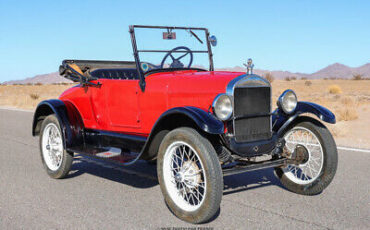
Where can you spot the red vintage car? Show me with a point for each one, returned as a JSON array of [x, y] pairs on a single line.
[[198, 124]]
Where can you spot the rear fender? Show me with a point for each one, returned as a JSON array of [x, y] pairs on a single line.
[[69, 119], [282, 121]]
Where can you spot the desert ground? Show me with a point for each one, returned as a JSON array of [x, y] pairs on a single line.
[[348, 99]]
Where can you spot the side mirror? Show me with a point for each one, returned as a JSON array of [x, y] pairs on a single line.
[[213, 40]]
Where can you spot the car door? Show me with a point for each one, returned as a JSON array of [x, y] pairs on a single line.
[[116, 105], [122, 104]]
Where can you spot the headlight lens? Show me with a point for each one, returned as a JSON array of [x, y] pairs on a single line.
[[288, 101], [222, 107]]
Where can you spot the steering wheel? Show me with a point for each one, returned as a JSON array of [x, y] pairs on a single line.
[[176, 63]]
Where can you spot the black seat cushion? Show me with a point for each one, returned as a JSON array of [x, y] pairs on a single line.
[[125, 74]]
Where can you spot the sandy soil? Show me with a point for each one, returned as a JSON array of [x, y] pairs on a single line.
[[351, 103]]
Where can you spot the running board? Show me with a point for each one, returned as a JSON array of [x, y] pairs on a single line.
[[112, 154], [253, 166]]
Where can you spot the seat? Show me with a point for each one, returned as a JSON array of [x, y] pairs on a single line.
[[117, 74]]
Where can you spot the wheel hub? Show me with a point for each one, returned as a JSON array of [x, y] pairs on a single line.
[[190, 174], [301, 154], [179, 177]]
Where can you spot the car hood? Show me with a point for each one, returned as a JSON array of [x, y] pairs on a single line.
[[193, 81], [191, 88]]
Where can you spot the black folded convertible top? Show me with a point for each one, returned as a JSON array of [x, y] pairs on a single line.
[[87, 66]]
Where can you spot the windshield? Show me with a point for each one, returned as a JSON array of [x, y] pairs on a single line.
[[171, 48]]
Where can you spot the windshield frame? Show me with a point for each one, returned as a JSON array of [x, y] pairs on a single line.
[[136, 51]]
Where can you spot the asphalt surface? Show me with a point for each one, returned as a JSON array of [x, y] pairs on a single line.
[[102, 196]]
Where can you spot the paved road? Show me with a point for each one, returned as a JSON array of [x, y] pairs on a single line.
[[100, 196]]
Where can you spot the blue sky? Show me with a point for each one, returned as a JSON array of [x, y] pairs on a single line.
[[299, 36]]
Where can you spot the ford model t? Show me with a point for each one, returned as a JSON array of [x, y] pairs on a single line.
[[199, 125]]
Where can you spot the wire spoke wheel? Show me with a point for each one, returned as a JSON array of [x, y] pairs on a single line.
[[190, 175], [184, 176], [52, 147], [310, 170]]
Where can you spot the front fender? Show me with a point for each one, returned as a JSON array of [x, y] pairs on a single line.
[[204, 120], [281, 121], [68, 116], [175, 118]]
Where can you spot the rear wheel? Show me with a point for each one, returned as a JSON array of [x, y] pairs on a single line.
[[190, 175], [56, 160], [319, 161]]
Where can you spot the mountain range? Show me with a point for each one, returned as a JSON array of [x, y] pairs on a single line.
[[335, 70]]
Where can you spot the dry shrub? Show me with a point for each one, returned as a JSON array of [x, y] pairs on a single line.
[[287, 79], [269, 77], [38, 83], [347, 113], [335, 89], [34, 96], [293, 78], [357, 77], [307, 83]]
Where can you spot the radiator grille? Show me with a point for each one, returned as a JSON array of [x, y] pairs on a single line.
[[252, 118]]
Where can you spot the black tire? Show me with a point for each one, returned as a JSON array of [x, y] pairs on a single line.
[[67, 157], [330, 162], [212, 169]]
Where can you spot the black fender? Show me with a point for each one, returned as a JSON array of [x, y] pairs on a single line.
[[204, 120], [68, 116], [179, 117], [281, 121]]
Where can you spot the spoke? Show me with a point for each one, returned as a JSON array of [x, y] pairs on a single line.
[[185, 194], [182, 56], [309, 167], [201, 184], [185, 152], [306, 138], [315, 170], [188, 182], [197, 196], [177, 169], [192, 197], [173, 181], [172, 57], [175, 161], [201, 196], [195, 173], [182, 158], [295, 171], [305, 176], [300, 176], [193, 155]]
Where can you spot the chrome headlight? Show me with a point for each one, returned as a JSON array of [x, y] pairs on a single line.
[[288, 101], [222, 107]]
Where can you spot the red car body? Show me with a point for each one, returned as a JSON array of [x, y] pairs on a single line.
[[101, 107]]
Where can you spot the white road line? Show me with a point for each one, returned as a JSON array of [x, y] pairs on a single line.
[[338, 147], [16, 109], [354, 149]]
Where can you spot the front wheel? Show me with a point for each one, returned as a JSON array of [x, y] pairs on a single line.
[[190, 175], [318, 167]]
